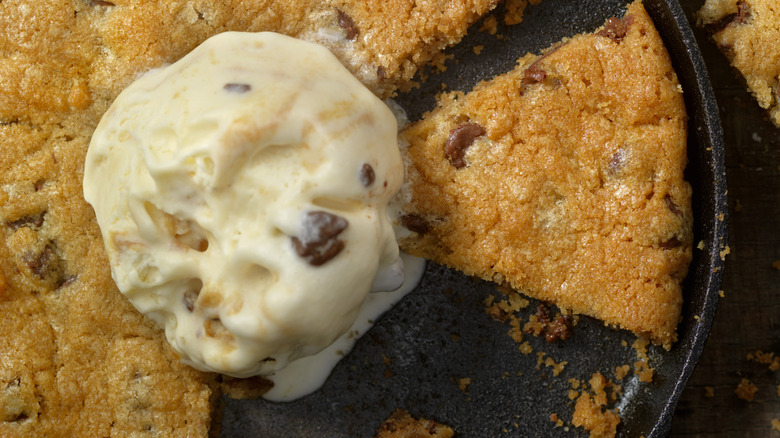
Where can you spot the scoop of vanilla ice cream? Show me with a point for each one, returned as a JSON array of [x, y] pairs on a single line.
[[241, 195]]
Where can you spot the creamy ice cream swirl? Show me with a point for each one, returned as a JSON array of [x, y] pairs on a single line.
[[241, 194]]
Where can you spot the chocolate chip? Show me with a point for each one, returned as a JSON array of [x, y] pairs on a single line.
[[43, 264], [459, 140], [32, 221], [560, 329], [672, 243], [189, 298], [534, 74], [67, 280], [431, 427], [381, 73], [237, 88], [318, 242], [616, 28], [349, 26], [542, 314], [102, 3], [415, 223], [21, 417], [367, 175], [672, 206], [741, 17], [743, 13]]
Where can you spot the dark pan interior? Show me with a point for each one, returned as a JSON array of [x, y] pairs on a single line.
[[415, 355]]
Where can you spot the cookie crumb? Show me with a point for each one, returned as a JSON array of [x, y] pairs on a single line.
[[776, 424], [642, 367], [555, 419], [622, 371], [477, 49], [402, 424], [746, 390], [490, 25], [768, 358], [550, 362], [464, 383], [709, 391], [590, 410], [514, 11], [776, 264]]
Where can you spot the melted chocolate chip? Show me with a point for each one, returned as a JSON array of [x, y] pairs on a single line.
[[672, 243], [672, 206], [534, 74], [459, 140], [743, 13], [237, 88], [319, 242], [381, 73], [45, 263], [415, 223], [32, 221], [560, 329], [349, 26], [616, 28], [366, 175], [20, 417], [741, 17], [542, 314]]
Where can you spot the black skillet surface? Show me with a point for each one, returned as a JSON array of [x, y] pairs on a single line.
[[415, 355]]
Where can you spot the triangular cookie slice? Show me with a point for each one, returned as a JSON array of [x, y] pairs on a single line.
[[564, 179]]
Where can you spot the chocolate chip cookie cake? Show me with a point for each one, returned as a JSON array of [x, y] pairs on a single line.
[[564, 179], [748, 33], [77, 358]]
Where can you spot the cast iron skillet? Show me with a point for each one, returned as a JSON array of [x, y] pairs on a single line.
[[417, 353]]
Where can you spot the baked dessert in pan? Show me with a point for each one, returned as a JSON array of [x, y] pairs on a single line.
[[78, 359], [81, 340]]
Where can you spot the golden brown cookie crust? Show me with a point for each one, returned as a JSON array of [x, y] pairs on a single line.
[[748, 32], [78, 360], [402, 425], [574, 193]]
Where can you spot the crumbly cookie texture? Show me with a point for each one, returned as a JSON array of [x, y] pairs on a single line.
[[747, 32], [564, 178], [68, 55], [78, 359], [402, 425]]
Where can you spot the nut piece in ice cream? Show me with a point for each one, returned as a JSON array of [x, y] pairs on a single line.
[[241, 193]]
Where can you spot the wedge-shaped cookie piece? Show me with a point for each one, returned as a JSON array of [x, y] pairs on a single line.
[[564, 179], [748, 33]]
